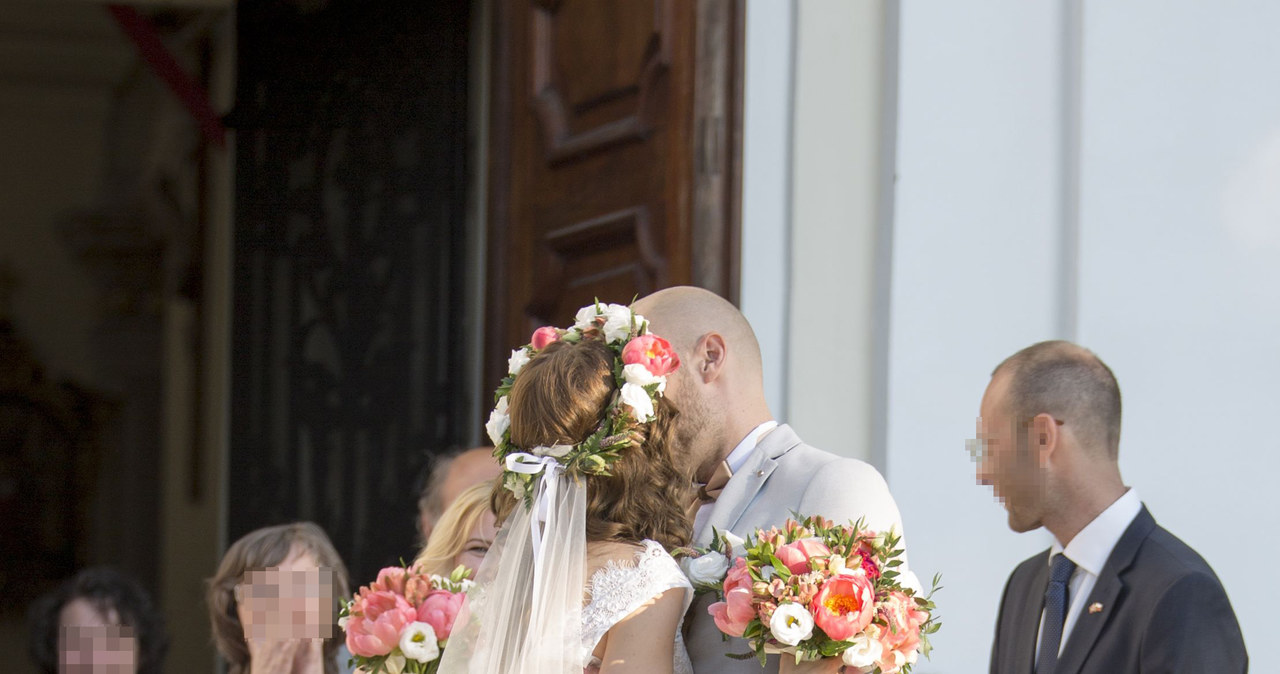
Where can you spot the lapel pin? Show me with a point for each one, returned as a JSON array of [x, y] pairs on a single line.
[[1095, 607], [759, 473]]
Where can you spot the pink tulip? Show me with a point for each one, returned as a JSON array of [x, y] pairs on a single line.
[[376, 622], [439, 610], [796, 555], [544, 336], [844, 605], [653, 352]]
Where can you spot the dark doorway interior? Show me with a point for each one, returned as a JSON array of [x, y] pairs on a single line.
[[348, 361]]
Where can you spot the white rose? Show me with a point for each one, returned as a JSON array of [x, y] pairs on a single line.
[[519, 358], [640, 375], [791, 624], [864, 653], [557, 451], [498, 421], [617, 324], [639, 400], [709, 569], [418, 642], [737, 546], [585, 317]]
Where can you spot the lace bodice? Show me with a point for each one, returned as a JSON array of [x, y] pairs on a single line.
[[617, 590]]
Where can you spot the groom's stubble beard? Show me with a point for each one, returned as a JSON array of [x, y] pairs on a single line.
[[698, 430]]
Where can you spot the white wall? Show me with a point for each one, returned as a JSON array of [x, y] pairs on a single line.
[[1180, 271], [975, 277]]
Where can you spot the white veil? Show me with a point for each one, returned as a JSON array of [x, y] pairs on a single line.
[[524, 615]]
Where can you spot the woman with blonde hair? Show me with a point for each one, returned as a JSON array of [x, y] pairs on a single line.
[[269, 582], [463, 533], [579, 578]]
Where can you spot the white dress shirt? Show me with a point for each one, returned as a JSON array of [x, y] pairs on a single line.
[[1090, 550], [735, 460]]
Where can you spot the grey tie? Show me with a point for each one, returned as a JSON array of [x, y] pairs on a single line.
[[1055, 613]]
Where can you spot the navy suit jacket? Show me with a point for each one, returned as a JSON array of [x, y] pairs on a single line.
[[1162, 610]]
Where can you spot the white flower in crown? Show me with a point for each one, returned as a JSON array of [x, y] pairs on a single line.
[[638, 399], [418, 642], [791, 624], [617, 320], [498, 422], [640, 375], [519, 358]]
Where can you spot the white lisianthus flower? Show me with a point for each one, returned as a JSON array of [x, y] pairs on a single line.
[[519, 358], [737, 546], [418, 642], [557, 451], [864, 653], [466, 584], [586, 316], [709, 569], [791, 624], [498, 421], [640, 375], [639, 400]]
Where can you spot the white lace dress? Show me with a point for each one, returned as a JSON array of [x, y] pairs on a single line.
[[617, 590]]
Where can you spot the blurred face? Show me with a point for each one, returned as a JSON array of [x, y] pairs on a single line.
[[92, 643], [697, 431], [477, 544], [291, 601], [1006, 461]]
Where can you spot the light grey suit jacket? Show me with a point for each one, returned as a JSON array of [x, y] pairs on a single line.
[[783, 475]]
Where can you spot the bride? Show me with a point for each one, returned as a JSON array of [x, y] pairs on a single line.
[[578, 578]]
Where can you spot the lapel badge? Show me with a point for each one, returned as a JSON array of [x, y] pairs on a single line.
[[1095, 607]]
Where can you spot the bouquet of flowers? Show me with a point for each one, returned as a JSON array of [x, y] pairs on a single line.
[[815, 589], [401, 622]]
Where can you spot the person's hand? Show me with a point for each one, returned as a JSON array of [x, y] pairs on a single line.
[[824, 666]]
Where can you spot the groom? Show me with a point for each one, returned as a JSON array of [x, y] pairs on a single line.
[[755, 473], [1115, 592]]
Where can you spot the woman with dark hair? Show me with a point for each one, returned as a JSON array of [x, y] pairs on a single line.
[[579, 577], [273, 602], [98, 620]]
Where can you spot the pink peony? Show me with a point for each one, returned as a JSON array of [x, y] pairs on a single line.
[[376, 621], [439, 610], [904, 617], [734, 613], [390, 579], [796, 555], [544, 336], [653, 352], [844, 605]]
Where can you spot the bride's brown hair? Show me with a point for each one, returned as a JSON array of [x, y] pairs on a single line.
[[560, 398]]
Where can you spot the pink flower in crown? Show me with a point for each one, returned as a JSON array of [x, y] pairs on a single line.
[[544, 336], [390, 579], [653, 352], [376, 621], [439, 610], [844, 606], [734, 613], [796, 555]]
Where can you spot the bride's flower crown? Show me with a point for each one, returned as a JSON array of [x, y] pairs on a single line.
[[642, 361]]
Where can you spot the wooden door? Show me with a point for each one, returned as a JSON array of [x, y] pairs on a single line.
[[614, 161]]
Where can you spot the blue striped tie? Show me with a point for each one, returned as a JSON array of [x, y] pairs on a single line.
[[1055, 613]]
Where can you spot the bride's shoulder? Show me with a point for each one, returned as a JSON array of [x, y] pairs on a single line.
[[616, 563]]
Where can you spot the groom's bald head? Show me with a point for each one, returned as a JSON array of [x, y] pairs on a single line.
[[719, 388]]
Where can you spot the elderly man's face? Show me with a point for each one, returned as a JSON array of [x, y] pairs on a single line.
[[92, 643]]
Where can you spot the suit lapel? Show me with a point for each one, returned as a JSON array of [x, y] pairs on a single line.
[[1026, 623], [746, 482], [1105, 592]]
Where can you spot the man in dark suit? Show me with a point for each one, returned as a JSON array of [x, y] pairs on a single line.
[[1115, 592]]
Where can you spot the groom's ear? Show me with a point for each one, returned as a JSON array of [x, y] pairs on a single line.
[[711, 357]]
